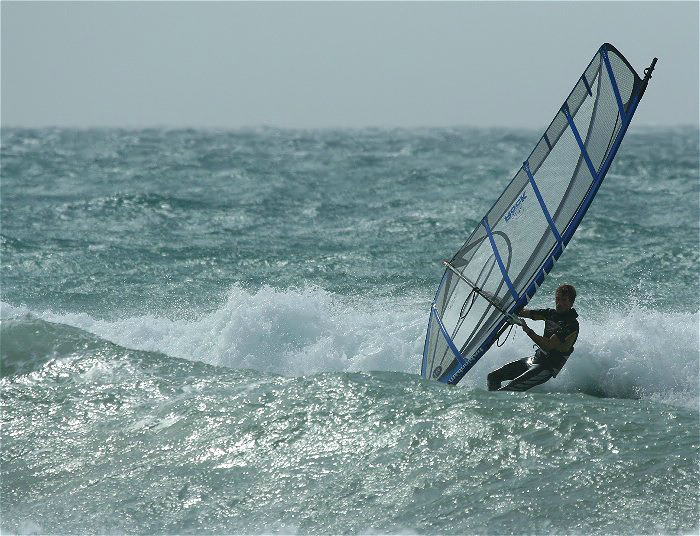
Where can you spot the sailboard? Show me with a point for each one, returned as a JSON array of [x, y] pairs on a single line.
[[506, 258]]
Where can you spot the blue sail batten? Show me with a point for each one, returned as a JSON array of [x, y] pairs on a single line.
[[546, 140], [502, 266], [547, 215], [581, 145], [585, 83], [448, 339], [613, 82]]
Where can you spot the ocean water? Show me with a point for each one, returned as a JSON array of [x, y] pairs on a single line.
[[220, 332]]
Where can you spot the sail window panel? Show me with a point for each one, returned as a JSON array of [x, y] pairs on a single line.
[[454, 310], [469, 318], [461, 314], [464, 312], [463, 318], [489, 271]]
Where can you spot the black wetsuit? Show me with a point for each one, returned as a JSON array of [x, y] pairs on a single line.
[[531, 371]]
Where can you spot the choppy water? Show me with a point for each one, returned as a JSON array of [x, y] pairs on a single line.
[[220, 332]]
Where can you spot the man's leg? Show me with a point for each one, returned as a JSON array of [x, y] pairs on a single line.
[[534, 375], [506, 372]]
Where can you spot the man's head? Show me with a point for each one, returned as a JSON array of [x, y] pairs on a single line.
[[564, 298]]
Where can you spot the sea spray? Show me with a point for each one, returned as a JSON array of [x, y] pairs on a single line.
[[629, 353]]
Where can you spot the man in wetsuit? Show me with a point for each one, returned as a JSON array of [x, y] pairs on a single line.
[[556, 345]]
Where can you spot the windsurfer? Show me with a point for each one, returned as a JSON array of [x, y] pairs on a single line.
[[555, 346]]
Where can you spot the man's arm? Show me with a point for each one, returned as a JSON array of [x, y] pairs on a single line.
[[532, 315], [553, 342]]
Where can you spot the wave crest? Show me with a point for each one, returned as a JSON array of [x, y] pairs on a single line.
[[631, 353]]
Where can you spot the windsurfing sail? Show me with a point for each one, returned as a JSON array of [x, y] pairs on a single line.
[[506, 258]]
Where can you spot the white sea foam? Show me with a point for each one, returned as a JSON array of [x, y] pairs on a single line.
[[294, 332], [635, 353]]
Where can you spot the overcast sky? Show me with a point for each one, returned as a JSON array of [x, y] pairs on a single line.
[[235, 64]]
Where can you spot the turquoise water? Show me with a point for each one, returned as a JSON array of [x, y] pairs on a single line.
[[220, 332]]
